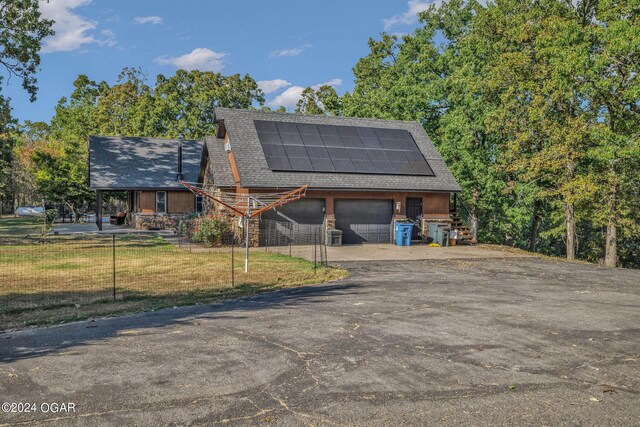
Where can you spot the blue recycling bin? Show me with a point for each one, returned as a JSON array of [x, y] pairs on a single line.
[[403, 233]]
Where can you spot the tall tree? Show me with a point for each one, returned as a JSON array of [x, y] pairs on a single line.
[[125, 108], [60, 165], [7, 141], [22, 29], [614, 97], [323, 100], [543, 52], [437, 76], [184, 103]]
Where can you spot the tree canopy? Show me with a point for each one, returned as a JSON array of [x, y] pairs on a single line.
[[22, 29], [178, 106], [534, 105]]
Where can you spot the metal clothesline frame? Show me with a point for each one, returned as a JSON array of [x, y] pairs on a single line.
[[237, 204]]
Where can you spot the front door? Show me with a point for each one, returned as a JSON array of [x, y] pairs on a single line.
[[414, 213]]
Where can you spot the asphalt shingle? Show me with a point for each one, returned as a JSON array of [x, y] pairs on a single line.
[[120, 163], [255, 173]]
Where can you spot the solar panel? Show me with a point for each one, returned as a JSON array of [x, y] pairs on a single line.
[[305, 147]]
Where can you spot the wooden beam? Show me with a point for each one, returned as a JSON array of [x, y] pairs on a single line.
[[99, 209]]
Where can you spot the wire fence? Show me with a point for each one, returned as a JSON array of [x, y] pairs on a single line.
[[53, 278]]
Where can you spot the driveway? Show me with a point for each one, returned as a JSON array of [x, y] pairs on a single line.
[[484, 342], [386, 252]]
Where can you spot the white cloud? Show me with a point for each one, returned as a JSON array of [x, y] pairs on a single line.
[[72, 30], [270, 86], [153, 20], [289, 98], [286, 52], [410, 16], [289, 52], [332, 82], [108, 38], [201, 58]]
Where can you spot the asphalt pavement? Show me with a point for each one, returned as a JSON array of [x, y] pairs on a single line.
[[502, 341]]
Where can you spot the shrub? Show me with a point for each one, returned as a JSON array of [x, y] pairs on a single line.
[[209, 229], [185, 228], [50, 216]]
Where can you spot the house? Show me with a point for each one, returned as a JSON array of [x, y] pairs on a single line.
[[148, 170], [362, 174]]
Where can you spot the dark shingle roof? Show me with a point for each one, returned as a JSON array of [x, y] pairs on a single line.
[[255, 173], [120, 163], [220, 166]]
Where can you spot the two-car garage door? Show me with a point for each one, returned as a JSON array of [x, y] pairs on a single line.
[[299, 222], [302, 222], [364, 221]]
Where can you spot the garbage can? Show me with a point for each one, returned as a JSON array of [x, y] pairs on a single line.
[[403, 233], [334, 237], [439, 233], [453, 237], [445, 237]]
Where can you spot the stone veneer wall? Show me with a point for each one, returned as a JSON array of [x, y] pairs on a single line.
[[144, 221]]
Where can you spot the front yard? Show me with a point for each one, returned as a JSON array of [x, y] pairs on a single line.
[[60, 278]]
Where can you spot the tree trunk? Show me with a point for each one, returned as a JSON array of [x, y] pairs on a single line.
[[571, 231], [611, 244], [535, 225], [474, 214], [570, 217], [75, 210]]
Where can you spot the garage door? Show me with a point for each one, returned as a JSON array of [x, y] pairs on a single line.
[[364, 221], [298, 222]]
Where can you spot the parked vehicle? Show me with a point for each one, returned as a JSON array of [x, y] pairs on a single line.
[[30, 211]]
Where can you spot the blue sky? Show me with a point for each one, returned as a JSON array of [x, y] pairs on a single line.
[[284, 44]]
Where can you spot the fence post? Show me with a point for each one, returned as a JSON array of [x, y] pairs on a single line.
[[326, 259], [233, 264], [315, 241], [114, 264], [290, 241]]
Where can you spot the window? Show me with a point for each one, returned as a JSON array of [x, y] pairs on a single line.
[[161, 202], [198, 203]]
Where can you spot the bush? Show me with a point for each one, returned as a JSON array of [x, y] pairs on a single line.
[[50, 216], [209, 229]]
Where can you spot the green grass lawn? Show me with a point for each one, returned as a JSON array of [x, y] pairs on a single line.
[[16, 228], [63, 278]]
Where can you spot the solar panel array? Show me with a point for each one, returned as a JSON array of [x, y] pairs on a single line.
[[304, 147]]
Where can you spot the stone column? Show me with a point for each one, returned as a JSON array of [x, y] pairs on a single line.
[[254, 232]]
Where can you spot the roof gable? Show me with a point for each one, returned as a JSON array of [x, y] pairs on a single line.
[[120, 163]]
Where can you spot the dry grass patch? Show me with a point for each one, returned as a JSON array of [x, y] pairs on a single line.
[[58, 279]]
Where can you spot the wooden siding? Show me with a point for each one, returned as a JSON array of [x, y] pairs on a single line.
[[180, 201], [435, 205], [146, 201], [177, 202]]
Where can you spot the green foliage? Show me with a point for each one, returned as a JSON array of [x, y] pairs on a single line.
[[209, 229], [180, 106], [50, 215], [534, 106], [21, 32], [324, 100]]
